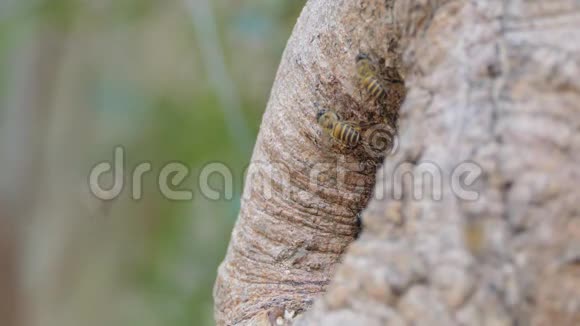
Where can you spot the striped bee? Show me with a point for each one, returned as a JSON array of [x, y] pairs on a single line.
[[344, 133], [372, 80], [367, 73]]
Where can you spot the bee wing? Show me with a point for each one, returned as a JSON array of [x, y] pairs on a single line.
[[360, 125], [391, 75], [353, 124]]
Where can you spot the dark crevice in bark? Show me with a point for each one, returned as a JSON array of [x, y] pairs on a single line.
[[481, 92], [295, 235]]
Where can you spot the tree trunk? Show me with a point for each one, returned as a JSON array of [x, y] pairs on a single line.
[[487, 132]]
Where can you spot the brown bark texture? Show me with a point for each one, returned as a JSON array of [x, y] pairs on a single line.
[[474, 218]]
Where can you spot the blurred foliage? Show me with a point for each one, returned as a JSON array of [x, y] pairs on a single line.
[[132, 73]]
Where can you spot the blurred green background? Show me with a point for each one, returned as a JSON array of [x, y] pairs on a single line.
[[177, 80]]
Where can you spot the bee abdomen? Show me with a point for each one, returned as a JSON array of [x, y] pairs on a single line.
[[374, 87], [346, 134], [354, 137]]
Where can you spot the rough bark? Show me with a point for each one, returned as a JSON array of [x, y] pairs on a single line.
[[287, 242], [492, 84]]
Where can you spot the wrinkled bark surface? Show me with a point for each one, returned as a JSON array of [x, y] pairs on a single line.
[[493, 89], [287, 241]]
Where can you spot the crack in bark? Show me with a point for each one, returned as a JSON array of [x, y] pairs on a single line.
[[424, 270]]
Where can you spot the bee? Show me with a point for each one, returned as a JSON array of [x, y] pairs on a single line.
[[367, 73], [372, 80], [345, 133]]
